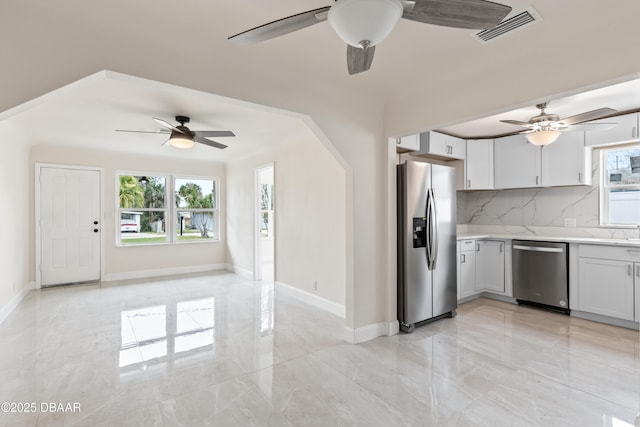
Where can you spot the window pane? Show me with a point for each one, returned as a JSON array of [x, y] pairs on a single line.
[[196, 225], [624, 206], [142, 191], [623, 167], [142, 227], [195, 193]]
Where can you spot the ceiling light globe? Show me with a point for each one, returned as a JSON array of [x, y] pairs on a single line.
[[356, 21], [543, 137], [180, 140]]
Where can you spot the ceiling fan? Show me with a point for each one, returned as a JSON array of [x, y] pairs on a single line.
[[362, 24], [181, 136], [545, 128]]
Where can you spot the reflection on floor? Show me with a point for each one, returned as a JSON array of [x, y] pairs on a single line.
[[220, 350]]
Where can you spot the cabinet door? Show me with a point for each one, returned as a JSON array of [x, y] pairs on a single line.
[[479, 165], [490, 265], [410, 143], [442, 145], [517, 162], [625, 129], [467, 274], [606, 287], [566, 161]]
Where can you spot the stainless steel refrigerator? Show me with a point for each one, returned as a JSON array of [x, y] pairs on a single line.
[[427, 274]]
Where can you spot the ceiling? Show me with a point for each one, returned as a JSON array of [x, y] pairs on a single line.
[[53, 43], [623, 96], [87, 113]]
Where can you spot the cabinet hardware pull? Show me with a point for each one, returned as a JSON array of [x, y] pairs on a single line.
[[477, 247], [468, 183], [398, 140], [501, 247], [579, 176], [634, 132], [463, 259], [537, 179], [629, 270]]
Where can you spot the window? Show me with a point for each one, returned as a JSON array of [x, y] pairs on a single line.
[[196, 209], [620, 186], [166, 209]]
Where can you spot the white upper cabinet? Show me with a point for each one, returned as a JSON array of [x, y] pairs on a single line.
[[566, 161], [441, 145], [479, 165], [517, 163], [408, 143], [626, 129]]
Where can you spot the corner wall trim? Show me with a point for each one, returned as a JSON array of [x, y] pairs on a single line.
[[369, 332], [141, 274], [311, 299], [247, 274], [13, 302]]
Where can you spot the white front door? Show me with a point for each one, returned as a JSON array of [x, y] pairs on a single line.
[[69, 225]]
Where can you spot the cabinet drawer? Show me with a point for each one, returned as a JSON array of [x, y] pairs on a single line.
[[620, 253], [467, 245]]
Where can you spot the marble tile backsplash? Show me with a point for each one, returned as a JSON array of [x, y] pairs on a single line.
[[538, 211]]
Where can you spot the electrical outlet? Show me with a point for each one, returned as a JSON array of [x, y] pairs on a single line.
[[570, 222]]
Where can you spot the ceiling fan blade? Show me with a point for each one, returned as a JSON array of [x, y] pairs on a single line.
[[589, 115], [214, 133], [472, 14], [517, 123], [358, 59], [161, 131], [208, 142], [166, 124], [281, 26]]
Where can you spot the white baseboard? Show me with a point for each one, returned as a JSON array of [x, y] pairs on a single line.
[[247, 274], [311, 299], [141, 274], [369, 332], [13, 302]]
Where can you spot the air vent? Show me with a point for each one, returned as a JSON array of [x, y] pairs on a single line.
[[527, 17]]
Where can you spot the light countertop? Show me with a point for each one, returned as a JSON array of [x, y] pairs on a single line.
[[573, 239]]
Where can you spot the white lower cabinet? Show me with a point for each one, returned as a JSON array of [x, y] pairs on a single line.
[[481, 267], [467, 273], [490, 265], [609, 281], [607, 287]]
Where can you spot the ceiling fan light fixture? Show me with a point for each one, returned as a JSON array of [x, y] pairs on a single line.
[[180, 140], [543, 137], [358, 21]]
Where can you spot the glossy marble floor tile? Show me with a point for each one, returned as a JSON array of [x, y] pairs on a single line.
[[216, 349]]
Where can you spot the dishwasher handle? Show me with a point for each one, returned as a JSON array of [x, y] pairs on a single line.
[[538, 249]]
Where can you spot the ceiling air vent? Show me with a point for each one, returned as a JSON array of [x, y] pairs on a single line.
[[517, 21]]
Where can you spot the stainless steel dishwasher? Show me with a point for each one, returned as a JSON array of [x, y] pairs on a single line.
[[540, 274]]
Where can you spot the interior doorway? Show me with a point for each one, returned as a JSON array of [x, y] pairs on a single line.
[[264, 236], [68, 225]]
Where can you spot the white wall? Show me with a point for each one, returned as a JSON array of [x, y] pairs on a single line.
[[15, 183], [123, 262], [310, 220]]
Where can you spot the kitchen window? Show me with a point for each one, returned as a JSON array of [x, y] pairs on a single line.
[[166, 209], [620, 186]]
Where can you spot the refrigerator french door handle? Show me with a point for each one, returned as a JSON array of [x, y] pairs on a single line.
[[434, 233], [428, 230]]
